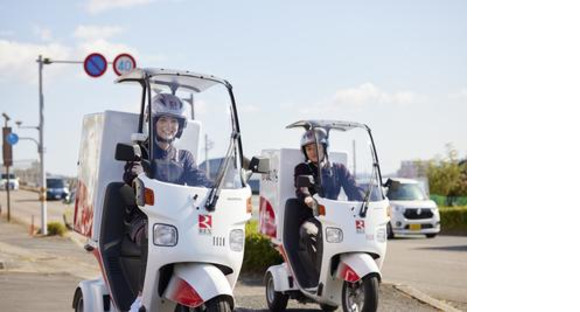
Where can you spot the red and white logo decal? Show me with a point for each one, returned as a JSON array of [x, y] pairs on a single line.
[[360, 226], [204, 222]]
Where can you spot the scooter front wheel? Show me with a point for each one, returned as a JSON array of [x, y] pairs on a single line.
[[276, 300], [218, 304], [361, 296]]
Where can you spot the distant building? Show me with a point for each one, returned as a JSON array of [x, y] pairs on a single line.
[[412, 169]]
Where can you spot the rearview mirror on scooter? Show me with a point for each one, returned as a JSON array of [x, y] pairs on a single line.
[[259, 164], [392, 184], [127, 152], [305, 181]]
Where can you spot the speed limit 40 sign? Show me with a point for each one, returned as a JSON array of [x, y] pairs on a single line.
[[123, 64]]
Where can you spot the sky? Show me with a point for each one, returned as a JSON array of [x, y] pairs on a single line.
[[398, 66]]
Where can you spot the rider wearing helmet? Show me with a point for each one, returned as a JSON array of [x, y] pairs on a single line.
[[169, 164], [334, 177]]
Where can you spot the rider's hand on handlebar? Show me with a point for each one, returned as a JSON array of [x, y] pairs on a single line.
[[132, 170], [309, 201]]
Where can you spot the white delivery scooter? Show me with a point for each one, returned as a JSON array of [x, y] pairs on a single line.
[[352, 234], [195, 233]]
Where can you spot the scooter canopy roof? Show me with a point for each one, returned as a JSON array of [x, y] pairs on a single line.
[[174, 79], [327, 124]]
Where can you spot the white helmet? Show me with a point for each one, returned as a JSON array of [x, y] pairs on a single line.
[[308, 137], [165, 104]]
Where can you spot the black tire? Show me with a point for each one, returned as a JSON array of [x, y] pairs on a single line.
[[219, 304], [276, 300], [390, 233], [327, 308], [78, 302], [364, 294], [430, 235]]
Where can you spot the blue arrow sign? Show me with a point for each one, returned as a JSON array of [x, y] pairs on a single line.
[[12, 138]]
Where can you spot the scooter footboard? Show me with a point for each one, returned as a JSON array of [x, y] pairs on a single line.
[[354, 266], [193, 284]]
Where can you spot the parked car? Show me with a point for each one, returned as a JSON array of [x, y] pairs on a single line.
[[56, 188], [411, 211], [13, 182]]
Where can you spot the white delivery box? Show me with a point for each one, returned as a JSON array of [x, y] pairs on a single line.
[[277, 187], [97, 167]]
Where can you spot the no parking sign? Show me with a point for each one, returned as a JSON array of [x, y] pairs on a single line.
[[124, 63], [95, 65]]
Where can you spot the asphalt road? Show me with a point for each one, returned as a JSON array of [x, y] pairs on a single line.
[[437, 267]]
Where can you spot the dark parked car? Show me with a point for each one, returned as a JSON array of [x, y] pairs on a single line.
[[56, 188]]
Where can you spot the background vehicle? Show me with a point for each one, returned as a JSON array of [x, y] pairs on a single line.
[[56, 188], [13, 182], [411, 211]]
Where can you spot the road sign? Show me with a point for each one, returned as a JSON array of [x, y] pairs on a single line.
[[95, 65], [12, 138], [123, 64]]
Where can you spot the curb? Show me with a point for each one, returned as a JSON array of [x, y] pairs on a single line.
[[423, 297]]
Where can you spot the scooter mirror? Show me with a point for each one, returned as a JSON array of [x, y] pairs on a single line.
[[305, 181], [259, 164], [127, 152], [392, 184]]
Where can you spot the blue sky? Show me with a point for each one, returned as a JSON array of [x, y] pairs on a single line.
[[400, 67]]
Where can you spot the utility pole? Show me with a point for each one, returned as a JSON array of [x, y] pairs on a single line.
[[7, 159], [354, 158], [43, 227], [207, 147]]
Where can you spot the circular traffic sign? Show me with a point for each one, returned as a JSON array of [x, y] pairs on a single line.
[[12, 138], [123, 64], [95, 65]]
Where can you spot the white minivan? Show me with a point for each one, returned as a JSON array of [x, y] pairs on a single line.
[[411, 211]]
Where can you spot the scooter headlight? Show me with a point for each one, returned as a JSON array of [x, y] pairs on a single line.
[[381, 235], [164, 235], [237, 240], [333, 235]]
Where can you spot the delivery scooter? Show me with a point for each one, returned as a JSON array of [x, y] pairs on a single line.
[[195, 232], [352, 239]]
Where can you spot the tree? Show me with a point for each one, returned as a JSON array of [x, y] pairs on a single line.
[[447, 176]]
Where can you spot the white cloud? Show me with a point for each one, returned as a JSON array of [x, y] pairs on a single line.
[[45, 34], [98, 6], [359, 98], [88, 33], [17, 59]]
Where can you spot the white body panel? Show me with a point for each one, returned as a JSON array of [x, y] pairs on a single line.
[[174, 205], [93, 292]]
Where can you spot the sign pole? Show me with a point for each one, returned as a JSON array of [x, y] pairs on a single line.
[[7, 159]]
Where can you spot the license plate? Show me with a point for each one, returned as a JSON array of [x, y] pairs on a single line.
[[57, 196], [415, 227]]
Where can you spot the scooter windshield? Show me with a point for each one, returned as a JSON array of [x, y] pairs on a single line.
[[193, 137], [348, 170]]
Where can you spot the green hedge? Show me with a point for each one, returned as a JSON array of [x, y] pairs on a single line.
[[449, 200], [259, 253], [453, 220]]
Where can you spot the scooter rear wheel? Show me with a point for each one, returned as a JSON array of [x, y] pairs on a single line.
[[361, 296], [218, 304], [276, 300]]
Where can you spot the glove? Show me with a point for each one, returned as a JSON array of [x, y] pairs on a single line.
[[132, 170]]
